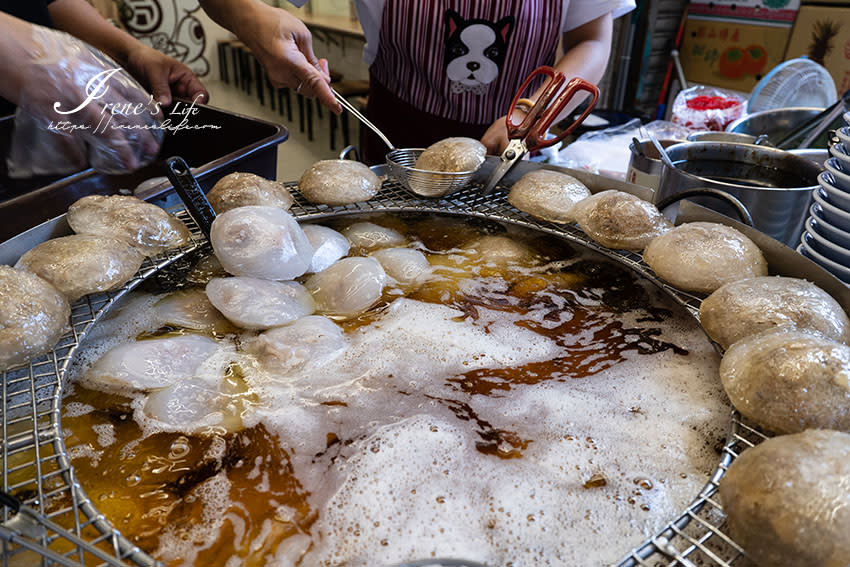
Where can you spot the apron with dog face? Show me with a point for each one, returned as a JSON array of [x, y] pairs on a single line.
[[451, 67]]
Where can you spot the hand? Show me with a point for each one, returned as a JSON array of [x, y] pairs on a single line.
[[114, 116], [495, 139], [165, 76], [284, 47]]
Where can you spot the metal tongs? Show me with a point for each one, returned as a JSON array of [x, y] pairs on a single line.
[[811, 129], [359, 115], [530, 133]]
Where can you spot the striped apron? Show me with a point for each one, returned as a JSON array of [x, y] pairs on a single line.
[[451, 67]]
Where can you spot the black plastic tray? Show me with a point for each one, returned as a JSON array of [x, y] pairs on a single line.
[[241, 143]]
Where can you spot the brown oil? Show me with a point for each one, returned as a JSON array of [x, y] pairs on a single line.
[[145, 484]]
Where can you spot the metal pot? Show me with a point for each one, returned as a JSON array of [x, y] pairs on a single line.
[[775, 186], [817, 155]]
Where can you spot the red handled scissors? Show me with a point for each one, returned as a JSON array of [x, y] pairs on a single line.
[[530, 133]]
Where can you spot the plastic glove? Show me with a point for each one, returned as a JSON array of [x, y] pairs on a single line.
[[38, 151], [72, 89]]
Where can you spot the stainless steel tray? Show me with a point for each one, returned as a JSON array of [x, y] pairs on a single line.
[[32, 446]]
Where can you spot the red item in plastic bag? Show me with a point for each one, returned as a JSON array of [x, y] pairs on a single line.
[[707, 108], [704, 102]]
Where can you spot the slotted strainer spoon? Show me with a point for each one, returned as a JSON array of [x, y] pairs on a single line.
[[401, 164]]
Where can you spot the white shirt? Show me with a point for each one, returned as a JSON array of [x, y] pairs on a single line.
[[574, 14]]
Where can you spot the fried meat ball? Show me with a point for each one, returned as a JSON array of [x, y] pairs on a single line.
[[81, 264], [702, 256], [240, 189], [338, 182], [548, 195], [787, 380], [619, 220], [33, 316], [452, 155], [746, 307], [144, 225], [787, 501]]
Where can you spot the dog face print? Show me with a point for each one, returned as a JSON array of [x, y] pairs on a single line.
[[475, 51]]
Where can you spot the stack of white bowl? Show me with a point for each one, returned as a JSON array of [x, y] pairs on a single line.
[[826, 239]]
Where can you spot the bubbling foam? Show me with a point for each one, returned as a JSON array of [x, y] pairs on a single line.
[[413, 344], [610, 458]]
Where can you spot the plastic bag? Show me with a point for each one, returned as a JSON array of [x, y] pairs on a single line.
[[606, 152], [37, 151], [707, 108], [75, 100]]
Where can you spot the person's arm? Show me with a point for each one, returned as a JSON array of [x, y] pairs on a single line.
[[155, 70], [587, 49], [16, 44], [280, 41], [53, 77]]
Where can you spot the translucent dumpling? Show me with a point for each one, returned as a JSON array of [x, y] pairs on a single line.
[[261, 242], [312, 339], [786, 500], [501, 250], [746, 307], [328, 246], [190, 309], [366, 236], [215, 397], [405, 265], [787, 380], [253, 303], [349, 287], [149, 364], [453, 155], [194, 405]]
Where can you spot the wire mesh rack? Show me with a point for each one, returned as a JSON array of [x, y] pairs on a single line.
[[36, 468]]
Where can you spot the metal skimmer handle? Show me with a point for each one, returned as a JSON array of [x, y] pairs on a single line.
[[350, 108], [190, 192]]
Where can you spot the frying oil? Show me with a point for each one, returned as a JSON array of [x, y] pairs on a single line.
[[526, 404]]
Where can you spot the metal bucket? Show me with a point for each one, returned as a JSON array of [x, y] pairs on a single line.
[[645, 162], [775, 186], [732, 137]]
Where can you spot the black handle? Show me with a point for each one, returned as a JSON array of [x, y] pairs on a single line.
[[190, 192], [739, 207], [9, 501]]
